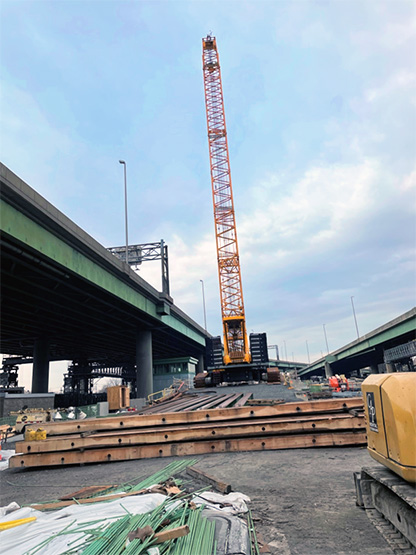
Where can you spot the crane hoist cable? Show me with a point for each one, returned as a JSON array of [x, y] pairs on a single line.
[[236, 348]]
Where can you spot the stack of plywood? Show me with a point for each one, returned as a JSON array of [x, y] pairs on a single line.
[[333, 422]]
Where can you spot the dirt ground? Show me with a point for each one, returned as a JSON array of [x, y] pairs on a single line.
[[304, 499]]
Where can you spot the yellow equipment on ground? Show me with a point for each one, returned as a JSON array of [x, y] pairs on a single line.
[[388, 492], [390, 408], [30, 417]]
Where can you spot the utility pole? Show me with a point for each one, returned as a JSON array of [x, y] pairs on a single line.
[[307, 350], [203, 302], [355, 317], [125, 209], [326, 339]]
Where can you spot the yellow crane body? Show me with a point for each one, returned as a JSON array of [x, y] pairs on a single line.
[[236, 347], [390, 409]]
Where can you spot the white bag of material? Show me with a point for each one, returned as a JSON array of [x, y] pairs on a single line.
[[233, 503], [5, 456], [13, 506]]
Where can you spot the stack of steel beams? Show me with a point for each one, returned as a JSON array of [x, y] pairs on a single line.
[[333, 422], [188, 401]]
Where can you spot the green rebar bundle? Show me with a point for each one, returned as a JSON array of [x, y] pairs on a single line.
[[159, 477], [254, 546], [200, 540], [109, 537]]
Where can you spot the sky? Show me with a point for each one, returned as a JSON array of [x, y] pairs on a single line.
[[321, 120]]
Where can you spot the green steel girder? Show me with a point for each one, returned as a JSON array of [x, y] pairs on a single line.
[[370, 342], [30, 233], [396, 330]]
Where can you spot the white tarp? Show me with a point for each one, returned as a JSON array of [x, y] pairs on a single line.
[[19, 540]]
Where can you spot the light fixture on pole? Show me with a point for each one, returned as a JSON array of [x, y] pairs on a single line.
[[355, 317], [203, 302], [125, 209], [326, 339]]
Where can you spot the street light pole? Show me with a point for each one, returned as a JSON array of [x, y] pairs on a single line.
[[307, 350], [125, 209], [326, 339], [355, 317], [203, 302]]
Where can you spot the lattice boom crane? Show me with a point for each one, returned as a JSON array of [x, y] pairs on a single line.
[[236, 348]]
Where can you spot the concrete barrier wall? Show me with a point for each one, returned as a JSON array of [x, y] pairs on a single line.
[[14, 402]]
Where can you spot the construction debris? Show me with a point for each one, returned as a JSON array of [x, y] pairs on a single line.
[[216, 484], [218, 430], [187, 523]]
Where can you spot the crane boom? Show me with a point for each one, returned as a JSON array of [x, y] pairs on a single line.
[[236, 348]]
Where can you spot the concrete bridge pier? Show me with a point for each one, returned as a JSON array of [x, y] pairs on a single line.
[[144, 363], [200, 365], [374, 369], [328, 370], [40, 372]]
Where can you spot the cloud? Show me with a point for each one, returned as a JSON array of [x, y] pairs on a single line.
[[402, 81], [312, 212], [393, 36], [190, 260], [409, 182]]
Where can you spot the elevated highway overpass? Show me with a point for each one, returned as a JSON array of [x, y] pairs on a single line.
[[368, 351], [65, 297]]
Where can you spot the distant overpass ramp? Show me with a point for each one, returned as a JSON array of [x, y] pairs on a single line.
[[368, 350]]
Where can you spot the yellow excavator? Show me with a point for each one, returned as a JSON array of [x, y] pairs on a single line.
[[389, 494]]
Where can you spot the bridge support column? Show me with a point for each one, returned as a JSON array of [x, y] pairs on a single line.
[[390, 368], [40, 372], [200, 365], [328, 370], [144, 363], [374, 369]]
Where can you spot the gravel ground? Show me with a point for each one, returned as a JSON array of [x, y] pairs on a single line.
[[304, 498]]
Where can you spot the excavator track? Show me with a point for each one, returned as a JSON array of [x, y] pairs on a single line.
[[390, 504]]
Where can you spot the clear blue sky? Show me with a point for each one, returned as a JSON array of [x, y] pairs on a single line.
[[320, 109]]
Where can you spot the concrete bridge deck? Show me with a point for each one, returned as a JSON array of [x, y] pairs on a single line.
[[65, 297]]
